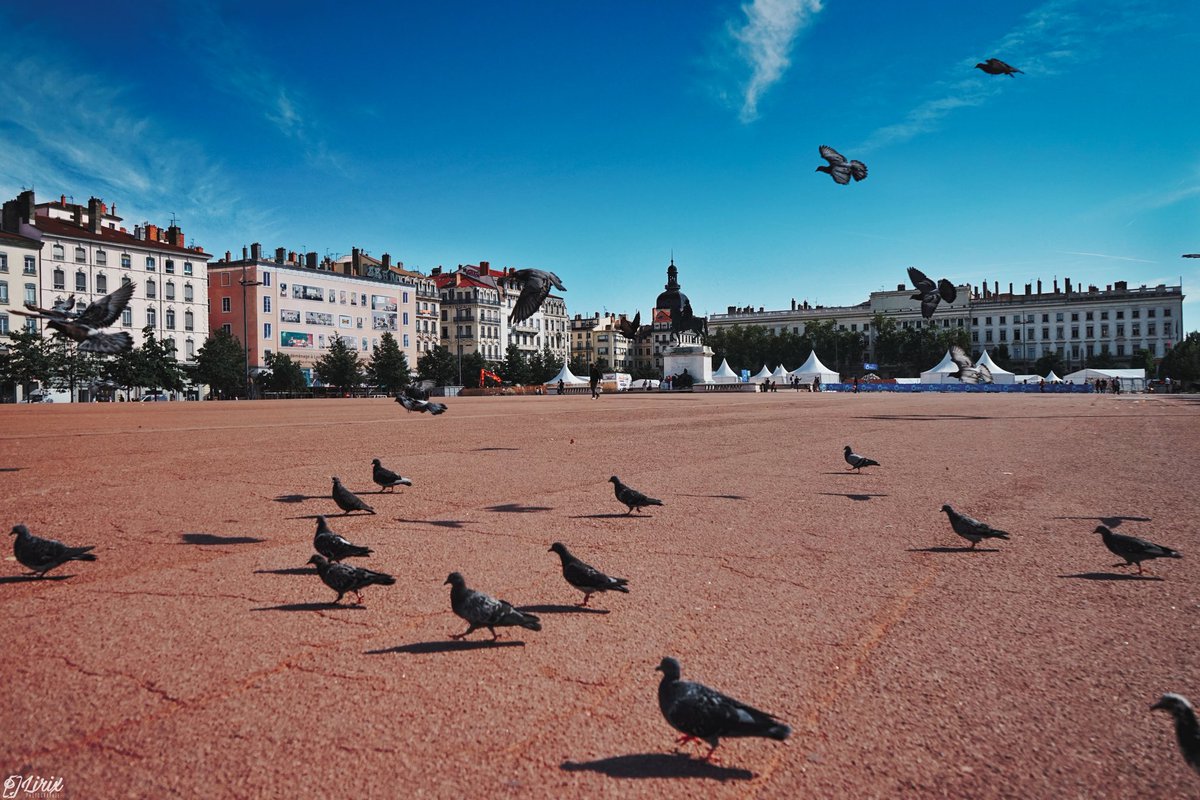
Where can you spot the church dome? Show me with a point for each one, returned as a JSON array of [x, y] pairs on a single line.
[[672, 299]]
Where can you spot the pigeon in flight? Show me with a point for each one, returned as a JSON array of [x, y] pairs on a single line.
[[347, 500], [483, 611], [629, 328], [839, 168], [968, 371], [856, 461], [85, 327], [1186, 729], [970, 528], [535, 288], [928, 293], [344, 578], [632, 497], [61, 309], [385, 477], [994, 66], [1133, 549], [585, 578], [43, 555], [1191, 255], [701, 713], [334, 547], [412, 404]]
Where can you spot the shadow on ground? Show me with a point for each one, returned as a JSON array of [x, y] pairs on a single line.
[[311, 607], [214, 539], [441, 523], [28, 578], [553, 609], [952, 550], [452, 646], [1110, 522], [657, 765], [287, 571], [715, 496], [1111, 576], [859, 497], [517, 508], [612, 516], [298, 498]]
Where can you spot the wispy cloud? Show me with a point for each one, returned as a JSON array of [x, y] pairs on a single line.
[[1048, 39], [762, 42], [1105, 255]]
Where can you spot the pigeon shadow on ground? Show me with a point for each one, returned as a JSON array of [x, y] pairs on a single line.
[[11, 469], [612, 516], [311, 607], [716, 496], [440, 523], [558, 609], [1111, 576], [214, 539], [1111, 522], [298, 498], [657, 765], [859, 497], [517, 508], [287, 571], [488, 449], [28, 578], [922, 417], [452, 646], [952, 550]]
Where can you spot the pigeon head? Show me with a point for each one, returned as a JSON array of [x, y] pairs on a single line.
[[322, 524], [317, 559], [455, 579], [670, 668], [1176, 704], [554, 279], [980, 66], [614, 479], [19, 530], [375, 462], [335, 479], [560, 548], [1102, 529], [849, 449], [946, 507]]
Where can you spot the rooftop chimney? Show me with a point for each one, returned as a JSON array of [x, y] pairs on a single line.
[[355, 262], [228, 256], [310, 259], [256, 251], [291, 257], [245, 253], [280, 252], [387, 261], [1067, 285], [175, 236], [1039, 285]]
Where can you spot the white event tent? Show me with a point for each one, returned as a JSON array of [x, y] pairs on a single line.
[[813, 368], [1131, 379], [1052, 378], [941, 372], [761, 375], [999, 373], [724, 374], [566, 376], [781, 374]]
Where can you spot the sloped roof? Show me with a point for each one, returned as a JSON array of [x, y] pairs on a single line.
[[762, 373], [946, 365], [813, 366], [724, 371], [986, 360], [566, 376]]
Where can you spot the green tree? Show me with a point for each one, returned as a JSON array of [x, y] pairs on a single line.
[[71, 368], [339, 366], [1003, 358], [1051, 362], [30, 358], [1102, 360], [126, 369], [388, 369], [284, 374], [471, 364], [1182, 362], [515, 367], [1144, 359], [159, 368], [439, 366], [578, 365], [220, 364]]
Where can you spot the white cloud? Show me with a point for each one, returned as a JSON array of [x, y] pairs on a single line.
[[764, 42], [1103, 255]]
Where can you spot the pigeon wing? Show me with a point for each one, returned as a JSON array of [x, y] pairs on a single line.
[[960, 357], [834, 158], [103, 312], [586, 576], [984, 374], [947, 291], [858, 170], [536, 289], [920, 281]]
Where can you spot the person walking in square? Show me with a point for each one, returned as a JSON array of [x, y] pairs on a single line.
[[594, 379]]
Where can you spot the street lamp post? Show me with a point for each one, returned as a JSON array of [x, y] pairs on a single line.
[[245, 330]]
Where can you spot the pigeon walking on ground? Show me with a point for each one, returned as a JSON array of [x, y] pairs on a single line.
[[970, 528], [994, 66], [483, 611], [839, 168], [701, 713], [1133, 549], [1186, 729], [584, 577], [413, 404], [632, 497], [856, 461], [42, 555], [347, 500], [344, 578], [85, 327], [335, 547], [968, 371], [385, 477], [929, 293], [535, 288]]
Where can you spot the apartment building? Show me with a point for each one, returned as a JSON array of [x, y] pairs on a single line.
[[598, 337]]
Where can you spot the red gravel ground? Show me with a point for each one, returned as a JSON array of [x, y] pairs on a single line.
[[197, 658]]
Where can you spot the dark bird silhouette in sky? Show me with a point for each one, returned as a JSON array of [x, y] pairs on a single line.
[[994, 66], [839, 168]]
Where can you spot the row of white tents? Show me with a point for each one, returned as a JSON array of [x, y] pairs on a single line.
[[813, 368]]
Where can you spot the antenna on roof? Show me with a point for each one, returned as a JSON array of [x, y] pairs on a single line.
[[173, 220]]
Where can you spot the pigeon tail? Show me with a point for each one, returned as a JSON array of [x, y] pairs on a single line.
[[107, 343]]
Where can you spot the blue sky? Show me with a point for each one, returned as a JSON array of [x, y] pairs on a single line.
[[598, 139]]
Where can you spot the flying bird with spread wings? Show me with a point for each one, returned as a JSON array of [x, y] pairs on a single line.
[[840, 169], [86, 326], [930, 294], [535, 288], [994, 66]]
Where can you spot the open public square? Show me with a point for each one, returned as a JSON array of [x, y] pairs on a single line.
[[200, 656]]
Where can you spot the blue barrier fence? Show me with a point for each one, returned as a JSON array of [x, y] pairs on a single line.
[[994, 388]]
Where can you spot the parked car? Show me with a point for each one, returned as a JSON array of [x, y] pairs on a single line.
[[154, 398], [38, 397]]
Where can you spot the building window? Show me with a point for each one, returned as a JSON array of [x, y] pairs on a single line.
[[1103, 331], [170, 287], [1152, 329], [187, 293], [60, 279], [1088, 316], [4, 292], [1151, 312], [190, 348], [80, 282], [101, 258], [1103, 315], [187, 268], [169, 266], [80, 255], [57, 253], [150, 263], [1090, 330], [406, 340], [170, 319], [266, 330], [226, 279], [126, 261], [1120, 350], [406, 318], [266, 279], [30, 266], [267, 304], [3, 323], [1045, 333], [1120, 329], [102, 283], [321, 340], [188, 321], [151, 289], [1003, 335], [127, 317], [364, 343], [224, 305], [1074, 331], [1137, 313], [1137, 329], [3, 262], [1166, 312], [151, 318], [227, 328]]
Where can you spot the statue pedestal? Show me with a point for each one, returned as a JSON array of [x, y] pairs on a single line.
[[695, 358]]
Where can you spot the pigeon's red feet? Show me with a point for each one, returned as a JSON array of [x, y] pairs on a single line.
[[685, 739], [709, 758]]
